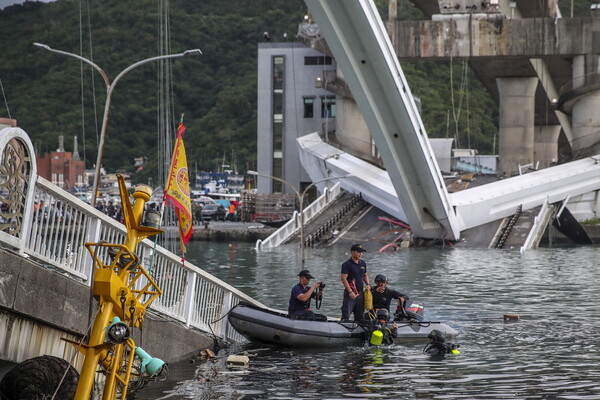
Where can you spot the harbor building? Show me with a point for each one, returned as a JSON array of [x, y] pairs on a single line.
[[292, 102], [63, 168]]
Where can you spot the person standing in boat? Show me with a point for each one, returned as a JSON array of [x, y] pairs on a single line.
[[354, 276], [299, 305], [383, 295]]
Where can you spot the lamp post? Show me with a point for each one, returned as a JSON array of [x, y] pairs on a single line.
[[109, 89], [301, 200]]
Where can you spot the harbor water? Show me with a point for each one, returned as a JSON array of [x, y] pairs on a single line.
[[551, 353]]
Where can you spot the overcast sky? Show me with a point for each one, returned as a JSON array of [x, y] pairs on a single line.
[[6, 3]]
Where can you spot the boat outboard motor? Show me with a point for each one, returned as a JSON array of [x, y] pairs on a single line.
[[412, 311]]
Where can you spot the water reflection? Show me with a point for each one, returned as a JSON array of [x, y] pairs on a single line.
[[552, 353]]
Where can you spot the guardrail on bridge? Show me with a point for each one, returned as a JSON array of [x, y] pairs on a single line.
[[42, 221], [295, 223]]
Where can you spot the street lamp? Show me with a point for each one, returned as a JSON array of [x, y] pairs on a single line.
[[109, 89], [301, 200]]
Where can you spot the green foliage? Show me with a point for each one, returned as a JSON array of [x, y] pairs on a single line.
[[51, 94], [592, 221]]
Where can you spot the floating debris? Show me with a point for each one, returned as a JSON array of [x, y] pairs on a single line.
[[511, 318], [237, 361]]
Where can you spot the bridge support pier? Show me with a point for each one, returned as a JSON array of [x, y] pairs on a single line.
[[517, 111], [545, 147], [586, 122]]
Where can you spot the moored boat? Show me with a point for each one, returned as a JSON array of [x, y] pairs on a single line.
[[267, 326], [276, 223]]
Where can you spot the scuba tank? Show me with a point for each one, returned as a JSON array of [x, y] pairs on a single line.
[[381, 332], [376, 338]]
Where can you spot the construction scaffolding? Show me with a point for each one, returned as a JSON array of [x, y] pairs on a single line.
[[267, 207]]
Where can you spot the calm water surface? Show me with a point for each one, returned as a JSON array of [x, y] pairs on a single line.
[[551, 354]]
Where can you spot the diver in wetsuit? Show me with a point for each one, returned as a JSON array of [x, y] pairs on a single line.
[[437, 345], [383, 332]]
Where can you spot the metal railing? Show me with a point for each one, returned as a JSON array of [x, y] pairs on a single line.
[[42, 221], [540, 223], [294, 224], [310, 240]]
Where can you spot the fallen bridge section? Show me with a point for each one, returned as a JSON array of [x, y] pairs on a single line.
[[500, 199], [474, 207], [363, 51]]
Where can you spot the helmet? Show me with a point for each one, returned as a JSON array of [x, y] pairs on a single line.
[[383, 314], [380, 278], [437, 336]]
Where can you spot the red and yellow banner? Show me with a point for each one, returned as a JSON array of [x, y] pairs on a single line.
[[178, 189]]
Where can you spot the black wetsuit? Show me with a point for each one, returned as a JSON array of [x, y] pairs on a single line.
[[384, 299], [389, 332], [438, 349]]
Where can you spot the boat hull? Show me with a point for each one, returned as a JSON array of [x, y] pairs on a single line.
[[269, 327]]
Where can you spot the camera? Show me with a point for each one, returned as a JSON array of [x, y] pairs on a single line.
[[322, 285]]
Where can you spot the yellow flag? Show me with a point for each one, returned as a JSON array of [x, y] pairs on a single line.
[[178, 189]]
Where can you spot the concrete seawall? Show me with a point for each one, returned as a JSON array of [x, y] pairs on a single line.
[[223, 231], [38, 306]]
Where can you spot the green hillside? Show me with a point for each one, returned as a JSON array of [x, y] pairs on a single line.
[[215, 91]]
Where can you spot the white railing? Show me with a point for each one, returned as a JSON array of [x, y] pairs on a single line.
[[42, 221], [295, 223], [540, 223]]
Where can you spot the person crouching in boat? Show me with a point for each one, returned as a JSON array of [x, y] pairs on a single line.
[[437, 345], [383, 295], [382, 332], [299, 306]]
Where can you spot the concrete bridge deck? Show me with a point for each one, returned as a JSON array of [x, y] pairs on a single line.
[[46, 273]]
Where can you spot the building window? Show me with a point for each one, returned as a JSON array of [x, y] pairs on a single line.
[[320, 60], [277, 103], [278, 68], [277, 99], [309, 103], [328, 107], [277, 171], [277, 137]]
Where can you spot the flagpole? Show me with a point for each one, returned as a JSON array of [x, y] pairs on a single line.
[[177, 190]]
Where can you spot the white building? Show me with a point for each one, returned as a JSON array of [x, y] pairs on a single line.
[[292, 102]]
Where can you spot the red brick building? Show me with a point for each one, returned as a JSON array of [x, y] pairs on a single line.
[[63, 168]]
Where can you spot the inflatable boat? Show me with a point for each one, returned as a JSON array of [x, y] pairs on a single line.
[[260, 325]]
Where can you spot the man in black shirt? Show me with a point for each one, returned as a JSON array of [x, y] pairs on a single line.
[[382, 295]]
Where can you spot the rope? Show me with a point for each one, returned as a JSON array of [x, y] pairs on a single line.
[[91, 58], [5, 101], [81, 80], [73, 356], [456, 111]]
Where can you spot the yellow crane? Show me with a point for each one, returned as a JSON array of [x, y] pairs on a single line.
[[124, 290]]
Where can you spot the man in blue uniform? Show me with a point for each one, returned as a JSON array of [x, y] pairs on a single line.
[[354, 276], [299, 305]]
